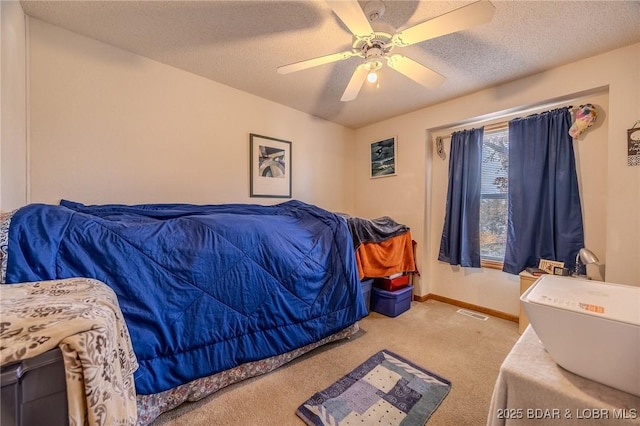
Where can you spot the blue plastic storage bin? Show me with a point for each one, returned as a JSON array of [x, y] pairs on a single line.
[[366, 292], [391, 303]]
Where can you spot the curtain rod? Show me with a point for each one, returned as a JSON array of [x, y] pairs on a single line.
[[504, 124], [490, 128]]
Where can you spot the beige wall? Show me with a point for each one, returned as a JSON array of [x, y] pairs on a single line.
[[418, 194], [13, 120], [109, 126]]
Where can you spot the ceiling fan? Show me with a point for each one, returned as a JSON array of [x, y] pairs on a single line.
[[373, 41]]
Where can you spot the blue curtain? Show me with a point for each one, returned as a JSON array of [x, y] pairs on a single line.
[[544, 216], [460, 242]]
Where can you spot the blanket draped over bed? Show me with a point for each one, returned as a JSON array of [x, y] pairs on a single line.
[[202, 288], [383, 246], [373, 230]]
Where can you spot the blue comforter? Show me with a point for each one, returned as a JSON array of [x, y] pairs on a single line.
[[202, 288]]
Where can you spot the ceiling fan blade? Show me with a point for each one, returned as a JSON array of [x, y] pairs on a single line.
[[321, 60], [355, 84], [415, 71], [461, 19], [352, 16]]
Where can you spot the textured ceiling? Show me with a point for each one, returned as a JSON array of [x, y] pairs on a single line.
[[241, 44]]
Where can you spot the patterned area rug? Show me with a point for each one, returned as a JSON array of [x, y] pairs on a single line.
[[384, 390]]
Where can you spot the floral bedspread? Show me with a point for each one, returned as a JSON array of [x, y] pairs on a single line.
[[83, 318], [5, 222]]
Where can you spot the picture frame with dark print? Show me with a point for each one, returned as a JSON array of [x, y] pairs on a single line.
[[270, 167], [383, 158]]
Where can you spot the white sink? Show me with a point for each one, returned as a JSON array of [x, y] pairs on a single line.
[[590, 328]]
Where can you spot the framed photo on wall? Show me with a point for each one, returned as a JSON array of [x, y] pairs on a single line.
[[383, 158], [270, 167]]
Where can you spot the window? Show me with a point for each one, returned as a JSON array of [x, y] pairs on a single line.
[[493, 199]]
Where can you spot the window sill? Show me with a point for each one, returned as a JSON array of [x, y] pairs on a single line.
[[491, 264]]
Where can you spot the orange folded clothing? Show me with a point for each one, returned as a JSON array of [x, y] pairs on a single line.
[[386, 258]]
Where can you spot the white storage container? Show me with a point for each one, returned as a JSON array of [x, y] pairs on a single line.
[[590, 328]]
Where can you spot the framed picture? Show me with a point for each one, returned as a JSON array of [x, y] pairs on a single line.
[[383, 158], [549, 265], [270, 167], [633, 145]]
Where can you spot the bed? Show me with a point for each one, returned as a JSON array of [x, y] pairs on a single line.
[[211, 294]]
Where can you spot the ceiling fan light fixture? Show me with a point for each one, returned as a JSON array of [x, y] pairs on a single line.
[[374, 65]]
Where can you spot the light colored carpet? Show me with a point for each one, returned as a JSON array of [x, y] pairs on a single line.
[[464, 350]]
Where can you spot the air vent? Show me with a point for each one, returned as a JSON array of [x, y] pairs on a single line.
[[472, 314]]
